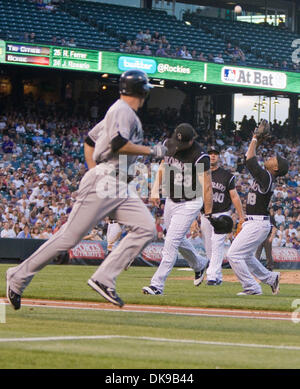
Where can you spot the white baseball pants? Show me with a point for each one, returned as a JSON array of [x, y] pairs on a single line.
[[241, 255], [178, 218], [214, 247]]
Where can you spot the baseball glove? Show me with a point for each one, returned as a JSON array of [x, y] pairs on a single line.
[[239, 227], [262, 132], [222, 224]]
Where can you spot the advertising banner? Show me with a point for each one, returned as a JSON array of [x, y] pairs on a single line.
[[156, 67], [88, 250]]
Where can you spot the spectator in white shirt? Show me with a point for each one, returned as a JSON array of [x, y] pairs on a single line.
[[279, 217], [219, 58], [291, 230], [17, 181], [20, 129], [228, 156], [277, 242], [36, 191], [7, 232], [39, 201]]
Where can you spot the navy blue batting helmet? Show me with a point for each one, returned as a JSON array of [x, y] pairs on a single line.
[[134, 83]]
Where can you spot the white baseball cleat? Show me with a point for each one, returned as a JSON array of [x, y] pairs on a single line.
[[249, 293]]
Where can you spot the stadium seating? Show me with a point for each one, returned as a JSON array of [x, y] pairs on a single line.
[[103, 26], [21, 16], [263, 44]]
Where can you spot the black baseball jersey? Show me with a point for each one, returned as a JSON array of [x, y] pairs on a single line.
[[222, 182], [180, 181], [261, 190]]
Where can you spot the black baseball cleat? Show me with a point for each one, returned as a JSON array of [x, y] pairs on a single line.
[[275, 285], [13, 297], [199, 276], [106, 292], [151, 290]]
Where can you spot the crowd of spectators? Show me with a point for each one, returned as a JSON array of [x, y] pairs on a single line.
[[157, 44], [42, 163]]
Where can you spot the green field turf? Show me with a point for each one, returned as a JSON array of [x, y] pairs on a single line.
[[146, 340]]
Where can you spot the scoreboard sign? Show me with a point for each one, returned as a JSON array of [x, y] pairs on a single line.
[[55, 57], [69, 58]]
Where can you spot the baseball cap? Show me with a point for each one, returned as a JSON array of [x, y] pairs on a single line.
[[213, 149], [283, 165], [181, 137]]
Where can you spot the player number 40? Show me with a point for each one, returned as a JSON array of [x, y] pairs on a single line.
[[218, 197]]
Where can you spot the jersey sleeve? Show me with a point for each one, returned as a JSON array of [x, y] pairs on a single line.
[[93, 134], [205, 160], [121, 123], [231, 183], [262, 177]]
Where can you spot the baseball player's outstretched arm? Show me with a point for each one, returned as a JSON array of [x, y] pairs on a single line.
[[157, 184], [205, 180], [130, 148], [236, 201]]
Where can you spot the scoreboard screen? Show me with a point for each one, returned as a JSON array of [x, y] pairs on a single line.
[[69, 58], [51, 56]]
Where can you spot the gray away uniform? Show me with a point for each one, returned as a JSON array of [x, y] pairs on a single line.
[[90, 207]]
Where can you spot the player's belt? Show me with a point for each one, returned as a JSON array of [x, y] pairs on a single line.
[[181, 200], [257, 217]]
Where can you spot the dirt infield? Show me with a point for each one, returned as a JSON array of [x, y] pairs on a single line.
[[173, 310]]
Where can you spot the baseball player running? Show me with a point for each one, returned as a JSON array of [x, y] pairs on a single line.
[[178, 176], [224, 195], [120, 132], [257, 226]]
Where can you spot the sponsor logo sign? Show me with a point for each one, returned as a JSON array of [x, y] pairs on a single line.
[[285, 254], [153, 252], [166, 68], [88, 250], [253, 77], [144, 64]]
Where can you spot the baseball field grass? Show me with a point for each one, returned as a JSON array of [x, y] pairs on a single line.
[[58, 338]]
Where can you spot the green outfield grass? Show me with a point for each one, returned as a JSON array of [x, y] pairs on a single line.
[[65, 282], [179, 342]]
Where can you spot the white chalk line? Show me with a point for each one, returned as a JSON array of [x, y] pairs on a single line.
[[147, 338]]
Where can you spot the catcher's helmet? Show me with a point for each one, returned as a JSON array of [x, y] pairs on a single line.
[[134, 83]]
